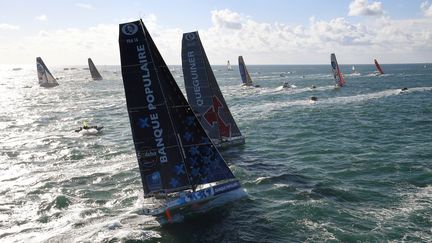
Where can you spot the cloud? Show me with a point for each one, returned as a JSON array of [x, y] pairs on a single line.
[[363, 8], [4, 26], [232, 34], [84, 5], [426, 7], [267, 43], [42, 17], [75, 45], [226, 19]]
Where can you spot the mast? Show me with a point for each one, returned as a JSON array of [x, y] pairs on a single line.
[[174, 153]]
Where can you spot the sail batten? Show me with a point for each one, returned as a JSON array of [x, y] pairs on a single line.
[[337, 74], [46, 79], [173, 150], [93, 70]]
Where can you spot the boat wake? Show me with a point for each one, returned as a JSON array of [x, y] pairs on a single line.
[[269, 107]]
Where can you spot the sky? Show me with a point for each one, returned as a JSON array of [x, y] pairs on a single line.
[[264, 32]]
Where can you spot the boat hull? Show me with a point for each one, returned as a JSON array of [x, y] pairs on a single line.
[[200, 201], [48, 85], [89, 131], [228, 142]]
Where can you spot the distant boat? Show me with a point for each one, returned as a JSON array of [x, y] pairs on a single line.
[[65, 69], [313, 100], [246, 79], [46, 79], [229, 66], [93, 70], [180, 166], [89, 130], [378, 67], [16, 69], [404, 89], [354, 72], [339, 79], [204, 95]]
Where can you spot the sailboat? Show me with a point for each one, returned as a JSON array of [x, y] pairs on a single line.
[[46, 79], [181, 168], [354, 72], [339, 79], [229, 66], [93, 70], [246, 79], [204, 95], [378, 67]]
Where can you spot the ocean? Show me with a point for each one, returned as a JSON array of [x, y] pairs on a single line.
[[356, 166]]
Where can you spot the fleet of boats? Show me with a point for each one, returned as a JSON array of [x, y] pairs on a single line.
[[176, 139]]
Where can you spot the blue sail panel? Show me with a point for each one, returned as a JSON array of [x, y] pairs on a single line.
[[203, 160]]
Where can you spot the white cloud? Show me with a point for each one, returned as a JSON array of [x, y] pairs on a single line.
[[426, 7], [74, 45], [84, 5], [233, 34], [4, 26], [226, 19], [363, 8], [42, 17], [269, 43]]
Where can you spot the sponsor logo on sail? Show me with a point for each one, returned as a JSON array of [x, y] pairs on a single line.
[[195, 78], [190, 36], [154, 181], [130, 29], [150, 98]]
